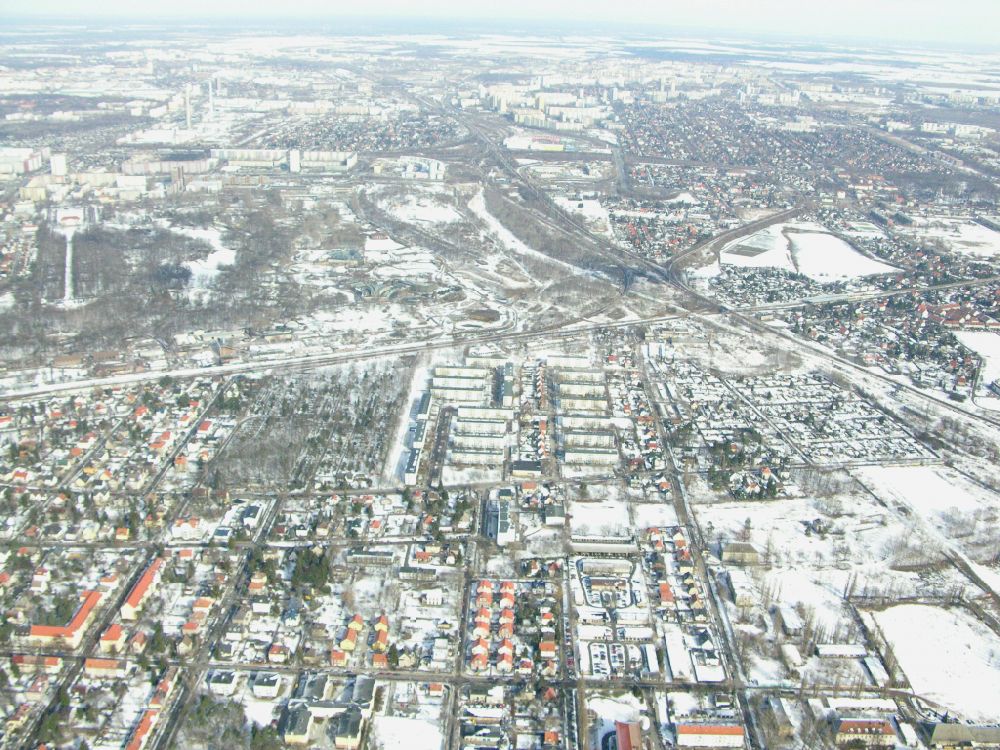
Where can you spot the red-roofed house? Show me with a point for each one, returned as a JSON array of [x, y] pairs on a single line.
[[709, 735], [143, 730], [628, 735], [104, 668], [112, 639], [72, 633], [143, 588], [870, 732]]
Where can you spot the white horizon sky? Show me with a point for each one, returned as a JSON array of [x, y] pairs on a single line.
[[958, 22]]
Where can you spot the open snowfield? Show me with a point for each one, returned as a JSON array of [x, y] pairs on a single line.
[[594, 518], [421, 208], [805, 248], [355, 320], [408, 262], [684, 199], [820, 600], [648, 515], [987, 345], [958, 234], [592, 212], [413, 734], [938, 494], [947, 656], [380, 249], [826, 258]]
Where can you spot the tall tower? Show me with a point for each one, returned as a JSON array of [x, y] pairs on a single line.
[[211, 99], [187, 106]]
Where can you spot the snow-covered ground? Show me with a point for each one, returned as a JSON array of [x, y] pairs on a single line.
[[802, 247], [953, 512], [947, 656], [685, 199], [987, 345], [399, 731], [936, 493], [421, 208], [596, 518], [959, 234], [395, 463], [593, 213], [648, 515], [824, 258], [478, 206], [767, 248], [408, 262], [819, 599], [204, 271], [608, 710], [380, 249]]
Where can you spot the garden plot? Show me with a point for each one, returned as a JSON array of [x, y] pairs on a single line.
[[961, 671], [827, 424], [802, 248]]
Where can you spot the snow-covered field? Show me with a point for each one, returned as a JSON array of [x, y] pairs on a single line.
[[422, 208], [937, 494], [408, 262], [804, 248], [594, 518], [648, 515], [959, 234], [685, 199], [987, 345], [399, 731], [592, 212], [947, 656], [358, 319], [819, 599]]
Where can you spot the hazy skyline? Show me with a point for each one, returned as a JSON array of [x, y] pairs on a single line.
[[972, 22]]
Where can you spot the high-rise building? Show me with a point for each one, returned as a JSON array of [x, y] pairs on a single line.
[[57, 165]]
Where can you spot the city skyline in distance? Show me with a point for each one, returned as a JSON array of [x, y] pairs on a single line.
[[961, 24]]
